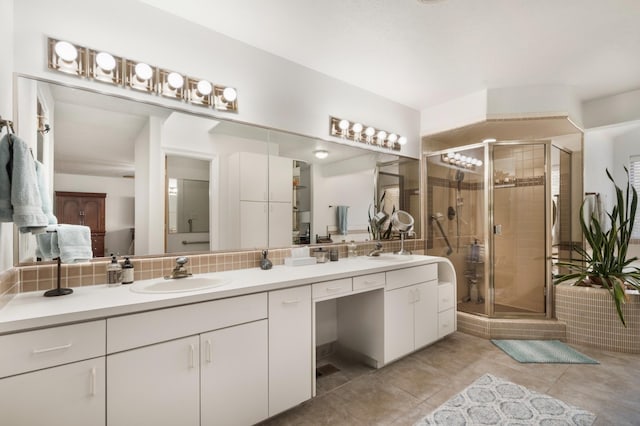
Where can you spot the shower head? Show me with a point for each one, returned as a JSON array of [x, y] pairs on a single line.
[[459, 175], [437, 216]]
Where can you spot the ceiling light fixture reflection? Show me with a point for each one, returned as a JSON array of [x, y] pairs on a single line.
[[460, 161], [321, 154]]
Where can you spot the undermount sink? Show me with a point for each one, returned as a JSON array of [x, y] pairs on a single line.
[[393, 257], [178, 285]]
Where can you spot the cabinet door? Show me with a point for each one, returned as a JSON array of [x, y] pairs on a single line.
[[254, 225], [280, 224], [68, 395], [398, 323], [426, 313], [234, 375], [290, 369], [254, 176], [280, 179], [92, 213], [68, 210], [155, 385]]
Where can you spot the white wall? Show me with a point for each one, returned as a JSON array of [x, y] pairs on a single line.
[[272, 91], [624, 146], [119, 205], [610, 110], [598, 156]]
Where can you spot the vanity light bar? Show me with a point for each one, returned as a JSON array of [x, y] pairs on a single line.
[[369, 135], [97, 65], [461, 161]]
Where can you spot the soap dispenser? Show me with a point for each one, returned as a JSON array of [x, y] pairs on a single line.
[[127, 271], [114, 272], [264, 262]]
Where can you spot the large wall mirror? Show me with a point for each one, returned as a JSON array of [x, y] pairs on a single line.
[[221, 185]]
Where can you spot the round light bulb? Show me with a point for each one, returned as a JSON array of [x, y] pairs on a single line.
[[66, 51], [229, 94], [204, 87], [446, 159], [370, 131], [463, 158], [175, 80], [357, 127], [343, 124], [402, 140], [451, 154], [479, 163], [382, 135], [393, 138], [105, 61], [143, 71], [457, 156]]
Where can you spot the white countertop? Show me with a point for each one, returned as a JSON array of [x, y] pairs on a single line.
[[31, 310]]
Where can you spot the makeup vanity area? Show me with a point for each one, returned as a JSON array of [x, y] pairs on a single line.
[[237, 353]]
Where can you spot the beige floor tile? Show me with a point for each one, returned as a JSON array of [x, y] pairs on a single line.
[[403, 392]]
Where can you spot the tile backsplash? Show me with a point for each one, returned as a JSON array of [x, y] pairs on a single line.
[[44, 277]]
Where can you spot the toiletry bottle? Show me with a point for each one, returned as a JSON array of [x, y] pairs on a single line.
[[264, 262], [114, 272], [127, 271]]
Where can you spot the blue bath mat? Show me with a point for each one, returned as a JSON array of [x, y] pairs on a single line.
[[542, 351]]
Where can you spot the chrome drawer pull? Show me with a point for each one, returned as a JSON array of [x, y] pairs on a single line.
[[55, 348], [290, 302]]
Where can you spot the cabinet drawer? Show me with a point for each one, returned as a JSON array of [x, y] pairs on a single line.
[[146, 328], [331, 288], [368, 281], [33, 350], [445, 297], [446, 322], [410, 276]]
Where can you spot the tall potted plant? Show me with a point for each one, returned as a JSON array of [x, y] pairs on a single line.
[[607, 263]]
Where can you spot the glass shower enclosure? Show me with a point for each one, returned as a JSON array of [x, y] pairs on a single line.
[[489, 211]]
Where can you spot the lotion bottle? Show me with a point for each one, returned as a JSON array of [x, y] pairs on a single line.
[[127, 271], [114, 273]]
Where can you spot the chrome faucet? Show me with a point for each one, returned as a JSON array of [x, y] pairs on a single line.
[[179, 271], [376, 251]]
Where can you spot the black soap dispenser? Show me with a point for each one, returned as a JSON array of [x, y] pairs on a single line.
[[264, 262], [127, 271]]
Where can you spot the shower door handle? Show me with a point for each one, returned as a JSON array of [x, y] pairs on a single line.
[[497, 229]]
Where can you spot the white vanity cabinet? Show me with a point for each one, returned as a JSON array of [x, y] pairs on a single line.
[[290, 348], [54, 376], [410, 310], [212, 371]]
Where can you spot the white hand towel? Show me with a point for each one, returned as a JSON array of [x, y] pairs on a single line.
[[74, 242]]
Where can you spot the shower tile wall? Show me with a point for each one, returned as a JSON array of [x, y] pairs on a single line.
[[442, 194], [519, 206]]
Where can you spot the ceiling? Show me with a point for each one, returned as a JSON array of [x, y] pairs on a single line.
[[422, 53]]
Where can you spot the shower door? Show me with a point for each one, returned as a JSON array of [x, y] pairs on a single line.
[[520, 237]]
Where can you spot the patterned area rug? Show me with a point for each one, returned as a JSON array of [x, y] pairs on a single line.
[[542, 351], [494, 401]]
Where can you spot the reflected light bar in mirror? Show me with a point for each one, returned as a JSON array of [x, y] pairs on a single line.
[[346, 129], [105, 67]]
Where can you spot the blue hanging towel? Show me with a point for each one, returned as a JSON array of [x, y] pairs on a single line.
[[342, 219]]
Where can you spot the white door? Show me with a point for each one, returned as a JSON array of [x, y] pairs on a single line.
[[254, 225], [280, 179], [290, 368], [398, 323], [68, 395], [280, 224], [234, 375], [155, 385], [426, 313]]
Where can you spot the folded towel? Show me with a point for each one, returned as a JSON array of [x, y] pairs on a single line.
[[342, 219], [71, 243], [74, 242], [22, 203], [41, 173]]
